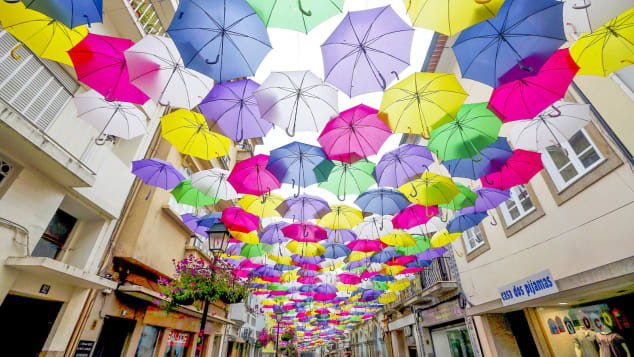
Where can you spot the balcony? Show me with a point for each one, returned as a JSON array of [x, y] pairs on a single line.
[[238, 313], [438, 279], [245, 150], [144, 17]]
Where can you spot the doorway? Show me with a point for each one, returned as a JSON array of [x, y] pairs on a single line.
[[31, 321], [113, 336]]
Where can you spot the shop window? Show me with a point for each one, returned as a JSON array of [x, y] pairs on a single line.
[[520, 210], [474, 242], [147, 343], [52, 241], [178, 343]]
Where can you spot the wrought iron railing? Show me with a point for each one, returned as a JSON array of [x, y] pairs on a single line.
[[245, 145], [438, 271], [145, 15]]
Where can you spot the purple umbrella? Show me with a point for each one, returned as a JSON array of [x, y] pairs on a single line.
[[300, 259], [399, 166], [303, 208], [431, 253], [303, 272], [340, 236], [357, 263], [325, 289], [157, 173], [369, 295], [192, 222], [488, 198], [367, 51], [234, 249], [273, 233], [230, 109]]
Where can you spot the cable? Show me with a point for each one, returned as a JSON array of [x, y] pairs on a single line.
[[20, 228]]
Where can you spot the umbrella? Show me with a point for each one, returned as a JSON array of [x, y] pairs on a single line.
[[354, 134], [430, 189], [156, 68], [399, 285], [402, 165], [248, 238], [488, 160], [213, 183], [187, 194], [259, 207], [383, 256], [465, 198], [252, 250], [608, 49], [347, 278], [582, 17], [296, 101], [487, 198], [46, 37], [374, 227], [341, 217], [223, 39], [422, 244], [192, 223], [387, 297], [72, 13], [236, 219], [442, 238], [474, 129], [120, 119], [335, 250], [294, 163], [511, 46], [450, 16], [100, 64], [519, 169], [273, 233], [555, 125], [303, 207], [382, 201], [305, 232], [342, 178], [157, 173], [366, 245], [340, 235], [525, 98], [431, 253], [209, 220], [188, 132], [463, 221], [399, 238], [251, 176], [367, 50], [414, 215], [422, 102], [306, 249], [298, 15], [230, 108]]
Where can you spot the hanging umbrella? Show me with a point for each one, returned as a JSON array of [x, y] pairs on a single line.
[[488, 160], [341, 217], [463, 221], [582, 17], [399, 238], [383, 256], [156, 68], [336, 250], [366, 245], [340, 235], [230, 108], [431, 253], [306, 249], [487, 198], [367, 50], [402, 165], [261, 207], [273, 233], [72, 13], [120, 119], [474, 129], [210, 219], [342, 178], [465, 198], [382, 201], [298, 15], [422, 102], [609, 48], [430, 190], [525, 98], [251, 176], [294, 163], [422, 244], [557, 124], [157, 172], [192, 223], [450, 16], [511, 46], [303, 208], [374, 227], [354, 134], [305, 232], [399, 285], [236, 219], [296, 101], [248, 238], [518, 170], [387, 297], [100, 64], [223, 39], [414, 215], [188, 132], [442, 238], [213, 183], [252, 250], [187, 194], [46, 37]]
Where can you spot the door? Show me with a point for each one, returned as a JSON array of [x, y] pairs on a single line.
[[113, 336], [30, 323]]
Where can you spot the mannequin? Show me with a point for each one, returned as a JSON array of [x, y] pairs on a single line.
[[611, 344], [585, 343]]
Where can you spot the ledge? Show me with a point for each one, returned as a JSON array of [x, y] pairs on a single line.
[[59, 272]]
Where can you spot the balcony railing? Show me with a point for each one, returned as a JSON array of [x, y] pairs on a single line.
[[438, 271], [144, 13], [245, 145]]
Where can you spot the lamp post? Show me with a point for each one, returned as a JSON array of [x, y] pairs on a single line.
[[278, 317], [218, 243]]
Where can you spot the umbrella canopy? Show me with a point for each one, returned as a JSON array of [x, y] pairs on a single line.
[[525, 98], [223, 39], [414, 215], [488, 160], [156, 68], [518, 170], [367, 50], [100, 64], [305, 232], [342, 178], [303, 208], [431, 253], [366, 245], [442, 238], [251, 176], [157, 173], [120, 119], [341, 217], [248, 238], [430, 190], [402, 165], [399, 238], [252, 250], [210, 219], [463, 221], [273, 233], [189, 133], [294, 163], [336, 250], [236, 219], [383, 256], [422, 244], [187, 194], [296, 101], [306, 249], [374, 227], [213, 183], [354, 135], [71, 13], [340, 235], [450, 16], [510, 46], [302, 15], [261, 207], [475, 128], [46, 37], [487, 198], [382, 201], [230, 108]]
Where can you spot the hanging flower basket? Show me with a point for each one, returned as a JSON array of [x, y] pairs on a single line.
[[183, 299], [231, 297]]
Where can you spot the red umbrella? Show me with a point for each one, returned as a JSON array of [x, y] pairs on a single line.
[[251, 176], [236, 219], [518, 170], [414, 215], [305, 232], [366, 245]]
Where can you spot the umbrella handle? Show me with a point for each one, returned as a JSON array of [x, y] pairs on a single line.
[[13, 55], [87, 20], [101, 139], [148, 194], [383, 82], [241, 135], [479, 157], [305, 231], [415, 193], [458, 253], [427, 212], [214, 62], [558, 112], [426, 134], [396, 75], [289, 133], [445, 218], [494, 221], [482, 2], [586, 4], [409, 5], [341, 199], [574, 28], [12, 1], [185, 163], [301, 8], [627, 61], [486, 179], [524, 68]]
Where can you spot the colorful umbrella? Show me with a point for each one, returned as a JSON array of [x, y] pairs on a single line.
[[463, 221], [210, 219], [273, 233], [442, 238], [340, 235], [213, 183], [236, 219], [414, 215], [382, 201], [261, 207], [383, 256], [341, 217], [303, 207], [518, 170], [431, 253], [294, 163], [157, 173], [367, 50], [252, 250], [342, 178], [511, 46], [430, 190], [248, 238], [298, 15], [465, 198], [374, 227], [422, 244], [335, 250], [487, 198], [366, 245], [192, 223], [354, 135], [450, 16], [488, 160], [399, 238], [305, 232], [187, 194], [223, 39], [402, 165], [251, 176], [306, 249], [71, 13], [188, 132]]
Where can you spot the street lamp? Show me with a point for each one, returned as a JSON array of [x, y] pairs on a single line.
[[278, 317]]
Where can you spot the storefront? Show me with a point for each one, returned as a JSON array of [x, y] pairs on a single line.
[[403, 333], [444, 331]]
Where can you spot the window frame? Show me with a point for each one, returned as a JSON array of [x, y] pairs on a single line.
[[506, 215], [472, 233], [480, 249], [524, 221]]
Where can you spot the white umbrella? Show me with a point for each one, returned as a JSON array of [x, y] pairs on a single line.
[[585, 16], [374, 227], [213, 183], [156, 67], [296, 101], [121, 119], [280, 250], [433, 225], [558, 123]]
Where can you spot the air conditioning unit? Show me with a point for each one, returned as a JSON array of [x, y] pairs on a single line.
[[407, 330]]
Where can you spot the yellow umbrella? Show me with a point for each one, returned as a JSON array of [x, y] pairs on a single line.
[[609, 48], [430, 189], [46, 37], [190, 134], [280, 259], [387, 297], [248, 238], [288, 276], [306, 249], [341, 217], [225, 256], [450, 16], [399, 285], [253, 204], [260, 281], [442, 238], [331, 267], [347, 287], [422, 102], [356, 255], [399, 238], [268, 302], [392, 269]]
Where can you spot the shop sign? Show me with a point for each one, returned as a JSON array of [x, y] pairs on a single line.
[[177, 338], [84, 348], [529, 288], [442, 313]]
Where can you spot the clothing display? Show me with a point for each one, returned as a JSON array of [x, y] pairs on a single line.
[[586, 344], [610, 345]]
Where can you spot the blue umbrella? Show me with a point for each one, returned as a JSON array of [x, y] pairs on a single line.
[[335, 250], [382, 277], [383, 256], [294, 163], [224, 39], [284, 267], [210, 219], [306, 288], [492, 158], [512, 45], [303, 208], [418, 263], [382, 201], [71, 13], [463, 221]]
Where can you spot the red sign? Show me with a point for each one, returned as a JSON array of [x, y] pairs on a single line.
[[177, 338]]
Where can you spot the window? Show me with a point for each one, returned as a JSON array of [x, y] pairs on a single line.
[[5, 170], [572, 160], [472, 239], [518, 206], [52, 241], [147, 342]]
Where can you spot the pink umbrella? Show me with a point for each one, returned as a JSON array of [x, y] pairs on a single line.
[[414, 215], [308, 280], [366, 245], [100, 64], [527, 97], [518, 170], [368, 274], [305, 232], [251, 176], [412, 270], [236, 219], [248, 264], [353, 135], [347, 278]]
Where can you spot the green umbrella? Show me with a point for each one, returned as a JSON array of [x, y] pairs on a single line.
[[381, 285], [187, 194], [276, 287], [475, 128], [466, 198], [422, 244], [298, 15], [342, 178], [252, 250]]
